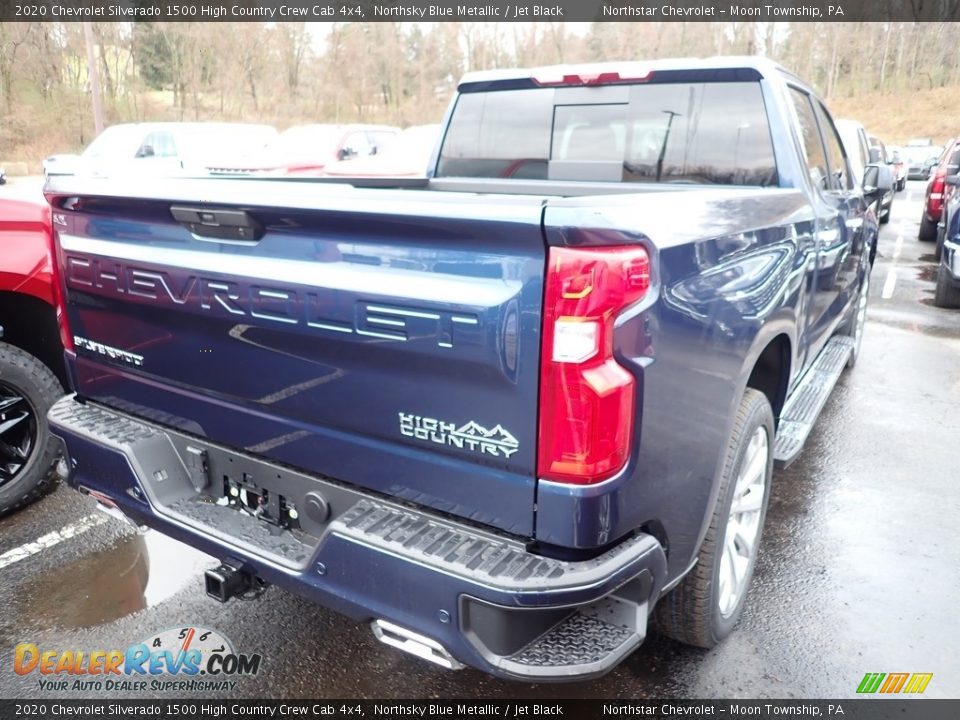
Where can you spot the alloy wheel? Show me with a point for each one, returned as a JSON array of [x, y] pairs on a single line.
[[18, 432], [743, 523]]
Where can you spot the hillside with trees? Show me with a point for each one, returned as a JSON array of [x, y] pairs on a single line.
[[899, 78]]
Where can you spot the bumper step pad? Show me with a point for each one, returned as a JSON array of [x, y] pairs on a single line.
[[596, 636], [803, 407], [481, 556]]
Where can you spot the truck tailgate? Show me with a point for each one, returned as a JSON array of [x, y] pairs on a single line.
[[387, 339]]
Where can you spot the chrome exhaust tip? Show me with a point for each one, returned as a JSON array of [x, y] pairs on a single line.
[[414, 644]]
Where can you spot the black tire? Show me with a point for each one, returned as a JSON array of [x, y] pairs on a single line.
[[947, 294], [28, 451], [928, 230], [691, 612]]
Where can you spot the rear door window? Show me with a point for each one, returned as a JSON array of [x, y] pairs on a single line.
[[814, 152], [699, 133], [839, 174]]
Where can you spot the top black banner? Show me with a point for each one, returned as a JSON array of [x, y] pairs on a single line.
[[198, 709], [480, 11]]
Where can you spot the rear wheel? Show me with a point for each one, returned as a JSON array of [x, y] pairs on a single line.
[[704, 608], [928, 230], [947, 294], [27, 450]]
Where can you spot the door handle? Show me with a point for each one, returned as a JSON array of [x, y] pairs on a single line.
[[218, 224]]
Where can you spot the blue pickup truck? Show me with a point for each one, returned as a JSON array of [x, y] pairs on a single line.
[[506, 413]]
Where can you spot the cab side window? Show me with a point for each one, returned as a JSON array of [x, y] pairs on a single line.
[[814, 152]]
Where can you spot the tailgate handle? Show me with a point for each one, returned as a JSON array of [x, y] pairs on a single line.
[[218, 225]]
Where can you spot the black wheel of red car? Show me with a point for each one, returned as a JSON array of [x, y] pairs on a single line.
[[704, 608], [928, 230], [27, 450]]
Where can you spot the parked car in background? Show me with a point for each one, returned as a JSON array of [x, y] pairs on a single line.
[[920, 159], [948, 164], [163, 149], [947, 293], [305, 150], [32, 373], [60, 164], [899, 165], [405, 155], [879, 154], [855, 140], [3, 176]]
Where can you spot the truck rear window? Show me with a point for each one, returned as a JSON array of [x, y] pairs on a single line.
[[702, 133]]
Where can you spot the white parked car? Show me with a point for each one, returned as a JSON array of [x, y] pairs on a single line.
[[162, 149]]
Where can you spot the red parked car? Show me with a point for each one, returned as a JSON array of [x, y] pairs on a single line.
[[304, 150], [32, 374], [937, 189]]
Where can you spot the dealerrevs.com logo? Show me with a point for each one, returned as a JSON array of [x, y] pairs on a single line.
[[179, 659], [894, 683]]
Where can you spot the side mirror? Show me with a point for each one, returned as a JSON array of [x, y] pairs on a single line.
[[145, 151], [877, 180], [952, 180], [346, 153]]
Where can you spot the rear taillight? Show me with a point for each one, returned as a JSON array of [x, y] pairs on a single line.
[[935, 199], [586, 398], [59, 296]]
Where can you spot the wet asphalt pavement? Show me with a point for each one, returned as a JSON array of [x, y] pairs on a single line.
[[859, 569]]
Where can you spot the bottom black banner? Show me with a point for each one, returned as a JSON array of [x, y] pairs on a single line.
[[854, 709]]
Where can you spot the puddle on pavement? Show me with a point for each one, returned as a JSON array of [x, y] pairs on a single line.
[[928, 273], [138, 572]]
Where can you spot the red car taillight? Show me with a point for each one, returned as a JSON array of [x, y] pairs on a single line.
[[935, 199], [586, 398], [59, 296]]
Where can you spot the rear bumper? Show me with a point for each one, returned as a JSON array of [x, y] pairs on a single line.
[[951, 260], [485, 598]]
